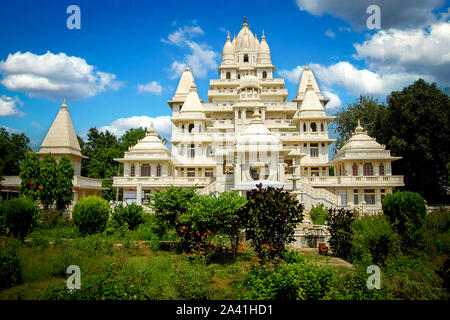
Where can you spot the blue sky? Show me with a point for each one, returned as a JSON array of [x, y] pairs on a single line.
[[124, 44]]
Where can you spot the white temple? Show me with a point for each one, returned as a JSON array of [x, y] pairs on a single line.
[[247, 133]]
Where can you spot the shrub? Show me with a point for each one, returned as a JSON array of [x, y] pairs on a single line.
[[340, 223], [132, 214], [10, 271], [20, 215], [112, 281], [90, 214], [192, 282], [373, 240], [319, 214], [270, 217], [300, 280], [353, 286], [406, 212]]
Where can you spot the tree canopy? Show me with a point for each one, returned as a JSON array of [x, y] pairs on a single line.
[[13, 148]]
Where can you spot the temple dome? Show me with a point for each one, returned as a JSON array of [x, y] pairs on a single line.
[[263, 51]]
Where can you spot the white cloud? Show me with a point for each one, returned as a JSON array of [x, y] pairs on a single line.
[[9, 107], [362, 81], [334, 103], [201, 58], [180, 36], [400, 14], [330, 34], [54, 76], [292, 75], [176, 69], [151, 87], [162, 125], [415, 51]]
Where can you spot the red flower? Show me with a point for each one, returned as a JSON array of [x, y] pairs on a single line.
[[31, 183], [40, 187]]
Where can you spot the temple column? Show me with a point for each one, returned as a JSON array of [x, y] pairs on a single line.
[[139, 194]]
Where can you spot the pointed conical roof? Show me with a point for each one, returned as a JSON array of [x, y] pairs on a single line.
[[61, 138], [306, 78], [311, 107], [192, 107], [186, 81]]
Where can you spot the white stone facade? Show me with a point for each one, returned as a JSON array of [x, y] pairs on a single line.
[[247, 133]]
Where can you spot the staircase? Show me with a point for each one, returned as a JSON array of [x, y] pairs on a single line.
[[311, 196]]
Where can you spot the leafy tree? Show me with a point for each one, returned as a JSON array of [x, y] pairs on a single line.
[[228, 217], [417, 128], [271, 216], [340, 226], [131, 137], [132, 215], [319, 214], [48, 180], [64, 186], [30, 176], [406, 212], [12, 152], [369, 111]]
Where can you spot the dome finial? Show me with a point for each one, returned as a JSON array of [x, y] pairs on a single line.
[[263, 35], [64, 105], [228, 35], [151, 130], [359, 128], [245, 21], [187, 68]]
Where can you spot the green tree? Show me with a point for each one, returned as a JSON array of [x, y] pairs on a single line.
[[12, 152], [64, 186], [270, 217], [369, 111], [340, 226], [30, 179], [131, 137], [228, 217], [48, 180], [417, 128]]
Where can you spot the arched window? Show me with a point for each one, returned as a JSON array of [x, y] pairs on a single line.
[[245, 57], [191, 127], [146, 170], [264, 74], [322, 127], [368, 169], [304, 127], [182, 149], [132, 170], [200, 127], [313, 127], [182, 128], [381, 169], [158, 170], [355, 169], [228, 76], [239, 76]]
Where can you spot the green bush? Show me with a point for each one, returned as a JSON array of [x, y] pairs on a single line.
[[340, 224], [373, 240], [90, 214], [10, 270], [353, 286], [319, 214], [293, 281], [19, 215], [406, 212], [132, 214], [270, 217]]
